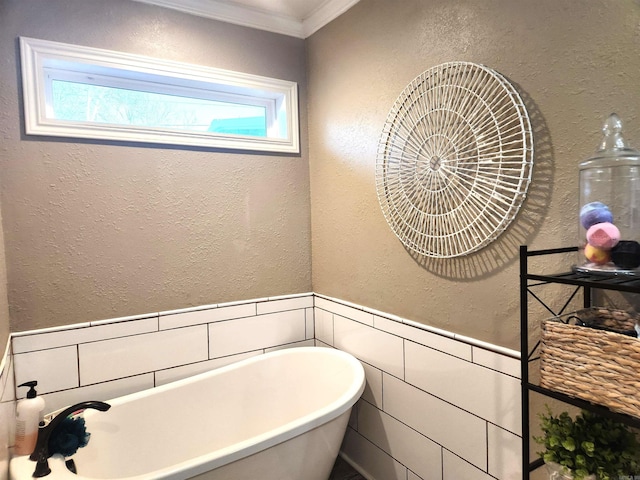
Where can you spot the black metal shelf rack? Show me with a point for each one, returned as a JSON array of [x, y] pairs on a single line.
[[584, 283]]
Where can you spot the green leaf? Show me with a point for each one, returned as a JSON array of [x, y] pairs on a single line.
[[589, 444], [569, 444], [580, 473], [588, 448]]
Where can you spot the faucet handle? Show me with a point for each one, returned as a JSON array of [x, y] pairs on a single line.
[[41, 452]]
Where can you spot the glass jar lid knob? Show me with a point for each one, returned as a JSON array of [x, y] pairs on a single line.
[[613, 139]]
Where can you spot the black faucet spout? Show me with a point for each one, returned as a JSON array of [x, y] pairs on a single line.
[[41, 451]]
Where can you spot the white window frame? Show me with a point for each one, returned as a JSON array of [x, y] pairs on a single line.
[[43, 61]]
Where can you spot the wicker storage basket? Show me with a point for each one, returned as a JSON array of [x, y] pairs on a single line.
[[596, 364]]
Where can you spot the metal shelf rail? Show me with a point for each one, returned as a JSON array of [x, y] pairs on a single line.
[[583, 282]]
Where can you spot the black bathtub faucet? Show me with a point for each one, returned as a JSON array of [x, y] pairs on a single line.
[[41, 452]]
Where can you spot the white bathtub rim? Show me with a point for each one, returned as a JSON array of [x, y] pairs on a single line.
[[261, 442], [252, 445]]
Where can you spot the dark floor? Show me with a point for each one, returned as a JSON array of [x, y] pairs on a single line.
[[343, 471]]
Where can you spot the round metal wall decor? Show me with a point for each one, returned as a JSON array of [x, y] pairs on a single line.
[[454, 160]]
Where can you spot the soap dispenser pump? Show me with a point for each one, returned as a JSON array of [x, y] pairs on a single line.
[[28, 416]]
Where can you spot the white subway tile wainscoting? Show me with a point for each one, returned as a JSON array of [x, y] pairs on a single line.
[[436, 406]]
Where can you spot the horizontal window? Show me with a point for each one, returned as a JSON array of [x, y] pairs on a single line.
[[82, 92]]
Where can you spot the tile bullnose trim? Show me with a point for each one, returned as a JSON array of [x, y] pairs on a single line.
[[430, 329], [488, 346], [371, 311], [188, 309], [131, 318], [77, 326], [59, 328], [142, 316], [293, 295], [445, 333], [4, 361]]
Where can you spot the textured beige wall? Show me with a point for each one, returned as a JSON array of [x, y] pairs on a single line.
[[573, 62], [98, 230], [4, 299]]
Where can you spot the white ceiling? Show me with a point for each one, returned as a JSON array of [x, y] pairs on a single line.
[[297, 18]]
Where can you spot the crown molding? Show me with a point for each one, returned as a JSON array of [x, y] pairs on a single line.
[[327, 12], [259, 19]]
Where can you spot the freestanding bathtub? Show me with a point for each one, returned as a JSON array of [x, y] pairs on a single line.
[[277, 416]]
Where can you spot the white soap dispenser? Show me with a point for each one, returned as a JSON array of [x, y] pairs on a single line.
[[28, 416]]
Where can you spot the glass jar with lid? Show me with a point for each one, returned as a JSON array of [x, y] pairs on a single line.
[[610, 206]]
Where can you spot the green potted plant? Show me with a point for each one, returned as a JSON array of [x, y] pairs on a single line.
[[588, 447]]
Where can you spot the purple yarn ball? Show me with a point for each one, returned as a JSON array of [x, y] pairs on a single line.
[[595, 212]]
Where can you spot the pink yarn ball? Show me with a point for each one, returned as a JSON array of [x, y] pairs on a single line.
[[603, 235]]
